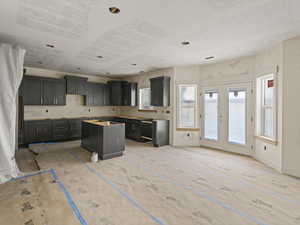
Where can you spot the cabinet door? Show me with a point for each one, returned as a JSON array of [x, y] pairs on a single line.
[[95, 94], [129, 94], [106, 95], [75, 128], [60, 92], [100, 95], [60, 130], [38, 131], [31, 90], [76, 85], [160, 91], [156, 92], [89, 94], [54, 92], [126, 94], [116, 93]]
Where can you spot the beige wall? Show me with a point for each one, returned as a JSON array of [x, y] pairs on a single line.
[[291, 108], [74, 104]]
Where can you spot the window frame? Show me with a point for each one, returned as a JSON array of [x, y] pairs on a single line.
[[261, 107], [179, 125], [150, 108]]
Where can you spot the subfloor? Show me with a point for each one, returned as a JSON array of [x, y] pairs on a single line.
[[178, 186]]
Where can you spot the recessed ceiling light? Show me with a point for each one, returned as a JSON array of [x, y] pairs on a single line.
[[185, 43], [209, 57], [50, 46], [100, 57], [114, 10]]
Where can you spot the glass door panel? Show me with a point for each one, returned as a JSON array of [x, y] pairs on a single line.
[[237, 116], [211, 104]]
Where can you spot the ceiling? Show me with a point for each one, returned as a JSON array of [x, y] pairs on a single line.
[[146, 33]]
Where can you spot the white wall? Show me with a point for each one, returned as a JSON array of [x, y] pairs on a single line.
[[74, 104], [291, 108]]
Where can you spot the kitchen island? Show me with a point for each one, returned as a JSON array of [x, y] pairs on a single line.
[[104, 137]]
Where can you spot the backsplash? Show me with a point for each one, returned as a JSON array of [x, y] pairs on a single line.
[[74, 108]]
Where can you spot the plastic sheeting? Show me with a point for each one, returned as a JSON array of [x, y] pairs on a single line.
[[11, 72]]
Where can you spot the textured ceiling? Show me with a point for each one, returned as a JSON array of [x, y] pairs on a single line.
[[145, 33]]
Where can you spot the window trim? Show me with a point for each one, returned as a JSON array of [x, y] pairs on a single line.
[[260, 122], [178, 124]]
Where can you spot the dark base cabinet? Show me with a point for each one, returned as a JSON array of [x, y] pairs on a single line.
[[60, 130], [38, 131], [146, 130], [75, 128], [107, 141]]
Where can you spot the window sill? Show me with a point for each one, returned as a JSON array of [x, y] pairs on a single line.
[[147, 110], [188, 129], [268, 140]]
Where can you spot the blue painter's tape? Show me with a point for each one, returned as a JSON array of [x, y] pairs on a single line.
[[31, 175], [69, 198], [121, 192], [62, 187], [206, 196]]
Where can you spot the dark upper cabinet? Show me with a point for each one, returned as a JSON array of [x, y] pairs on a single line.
[[116, 92], [160, 91], [96, 94], [38, 131], [43, 91], [129, 94], [54, 92], [31, 90], [106, 95], [76, 85]]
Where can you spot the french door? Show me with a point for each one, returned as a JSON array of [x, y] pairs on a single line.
[[226, 117]]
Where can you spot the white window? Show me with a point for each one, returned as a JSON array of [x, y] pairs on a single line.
[[187, 106], [145, 99], [266, 101]]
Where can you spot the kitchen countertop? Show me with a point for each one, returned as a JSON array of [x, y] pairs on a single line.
[[87, 118], [134, 117], [98, 123]]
